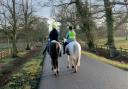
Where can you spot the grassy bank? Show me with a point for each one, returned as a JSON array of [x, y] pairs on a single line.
[[28, 76], [7, 60], [108, 61]]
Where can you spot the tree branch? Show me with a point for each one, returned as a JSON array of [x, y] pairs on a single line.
[[65, 4], [119, 3]]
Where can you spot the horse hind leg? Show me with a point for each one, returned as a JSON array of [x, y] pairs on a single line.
[[57, 67], [76, 65], [56, 70], [76, 69], [73, 62], [68, 62]]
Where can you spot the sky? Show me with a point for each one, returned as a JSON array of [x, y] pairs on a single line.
[[41, 11], [46, 11]]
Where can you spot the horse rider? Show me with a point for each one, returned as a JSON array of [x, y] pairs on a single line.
[[53, 35], [70, 36]]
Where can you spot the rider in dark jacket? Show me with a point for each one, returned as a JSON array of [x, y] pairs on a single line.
[[54, 35]]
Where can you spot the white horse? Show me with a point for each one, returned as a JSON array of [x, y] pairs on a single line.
[[73, 50]]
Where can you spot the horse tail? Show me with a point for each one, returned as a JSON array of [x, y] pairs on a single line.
[[54, 54], [54, 49], [76, 48]]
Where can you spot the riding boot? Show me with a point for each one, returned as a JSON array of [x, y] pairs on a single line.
[[65, 44], [44, 50], [64, 48]]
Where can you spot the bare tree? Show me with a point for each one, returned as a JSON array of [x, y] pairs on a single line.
[[27, 10], [110, 27], [10, 16], [87, 22], [99, 12]]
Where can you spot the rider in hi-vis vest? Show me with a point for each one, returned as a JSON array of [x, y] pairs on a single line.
[[70, 36]]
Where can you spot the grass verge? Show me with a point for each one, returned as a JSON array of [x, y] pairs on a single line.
[[6, 60], [28, 76], [108, 61]]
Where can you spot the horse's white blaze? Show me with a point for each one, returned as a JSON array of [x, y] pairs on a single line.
[[75, 54]]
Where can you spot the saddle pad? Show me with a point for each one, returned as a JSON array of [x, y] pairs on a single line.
[[53, 41]]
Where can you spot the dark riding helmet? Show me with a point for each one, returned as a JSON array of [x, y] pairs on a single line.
[[70, 27]]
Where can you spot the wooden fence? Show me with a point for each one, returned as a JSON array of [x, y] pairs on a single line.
[[5, 52], [121, 51]]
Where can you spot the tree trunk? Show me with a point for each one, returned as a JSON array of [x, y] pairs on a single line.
[[26, 17], [14, 48], [126, 34], [28, 47], [110, 28], [86, 20], [27, 37]]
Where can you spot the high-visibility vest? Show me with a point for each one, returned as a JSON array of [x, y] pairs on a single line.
[[72, 35]]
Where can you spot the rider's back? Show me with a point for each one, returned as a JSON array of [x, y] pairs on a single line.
[[54, 35]]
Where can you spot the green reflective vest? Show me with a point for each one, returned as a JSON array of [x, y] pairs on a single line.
[[72, 35]]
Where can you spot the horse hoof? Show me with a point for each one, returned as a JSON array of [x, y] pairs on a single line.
[[57, 72], [75, 72], [72, 66]]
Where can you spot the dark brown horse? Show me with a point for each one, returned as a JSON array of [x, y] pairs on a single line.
[[54, 52]]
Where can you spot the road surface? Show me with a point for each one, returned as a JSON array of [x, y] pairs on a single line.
[[91, 75]]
